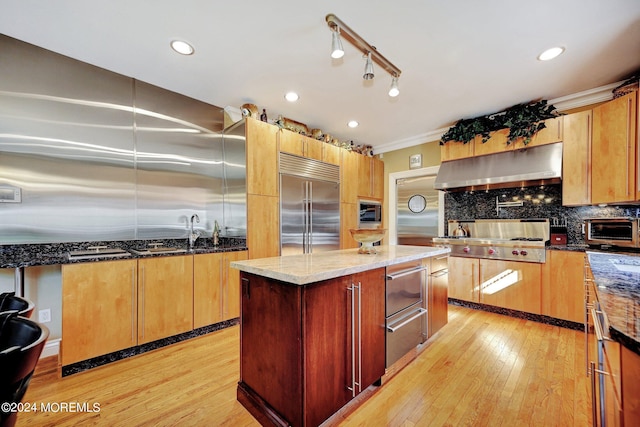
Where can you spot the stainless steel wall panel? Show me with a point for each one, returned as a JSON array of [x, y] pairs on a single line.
[[102, 157], [66, 139], [179, 163]]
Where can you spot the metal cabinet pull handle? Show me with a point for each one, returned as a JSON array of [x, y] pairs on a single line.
[[419, 312], [405, 273], [353, 342]]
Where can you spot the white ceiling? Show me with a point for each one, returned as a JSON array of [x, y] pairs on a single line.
[[459, 58]]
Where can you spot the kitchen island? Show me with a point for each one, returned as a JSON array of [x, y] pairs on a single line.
[[313, 330]]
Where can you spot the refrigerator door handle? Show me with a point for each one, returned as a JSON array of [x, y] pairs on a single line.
[[310, 217]]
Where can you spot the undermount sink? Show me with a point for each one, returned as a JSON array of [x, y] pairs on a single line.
[[97, 252], [157, 250], [631, 266]]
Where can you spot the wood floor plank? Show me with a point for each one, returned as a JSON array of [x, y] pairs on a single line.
[[483, 369]]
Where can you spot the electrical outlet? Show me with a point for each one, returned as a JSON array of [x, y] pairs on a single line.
[[44, 316]]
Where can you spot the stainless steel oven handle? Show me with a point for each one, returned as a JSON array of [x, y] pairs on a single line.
[[405, 273], [420, 312]]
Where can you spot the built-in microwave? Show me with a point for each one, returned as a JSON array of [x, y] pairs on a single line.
[[370, 214], [622, 232]]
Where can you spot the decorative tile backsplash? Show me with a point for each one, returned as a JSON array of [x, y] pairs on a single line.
[[537, 202]]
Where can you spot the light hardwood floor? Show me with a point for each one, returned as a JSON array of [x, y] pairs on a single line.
[[482, 369]]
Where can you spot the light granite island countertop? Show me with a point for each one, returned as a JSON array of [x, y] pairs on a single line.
[[309, 268]]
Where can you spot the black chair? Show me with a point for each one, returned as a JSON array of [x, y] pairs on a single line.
[[21, 343], [10, 302]]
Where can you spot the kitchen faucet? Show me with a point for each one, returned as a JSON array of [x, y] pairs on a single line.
[[193, 236]]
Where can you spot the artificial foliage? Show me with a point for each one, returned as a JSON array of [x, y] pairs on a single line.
[[522, 120]]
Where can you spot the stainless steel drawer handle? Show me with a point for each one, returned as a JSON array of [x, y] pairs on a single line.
[[419, 312], [405, 273], [440, 273]]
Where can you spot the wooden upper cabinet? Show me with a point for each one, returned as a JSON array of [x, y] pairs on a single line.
[[349, 216], [553, 132], [300, 145], [262, 158], [453, 150], [349, 174], [331, 154], [497, 142], [613, 151], [576, 159], [370, 177]]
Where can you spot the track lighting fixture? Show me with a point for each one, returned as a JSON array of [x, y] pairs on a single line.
[[393, 90], [336, 44], [368, 68], [341, 30]]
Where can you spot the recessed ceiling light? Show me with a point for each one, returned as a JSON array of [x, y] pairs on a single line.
[[550, 53], [291, 96], [353, 124], [182, 47]]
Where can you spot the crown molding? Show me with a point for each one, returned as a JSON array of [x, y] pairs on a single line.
[[564, 103]]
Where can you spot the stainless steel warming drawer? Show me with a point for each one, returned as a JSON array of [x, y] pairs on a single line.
[[404, 308]]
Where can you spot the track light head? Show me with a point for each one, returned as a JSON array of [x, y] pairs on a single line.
[[393, 90], [368, 68], [336, 44]]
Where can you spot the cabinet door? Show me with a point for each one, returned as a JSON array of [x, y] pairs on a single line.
[[372, 325], [463, 278], [290, 142], [630, 368], [510, 284], [328, 345], [231, 285], [98, 309], [365, 176], [576, 159], [263, 226], [349, 215], [165, 297], [563, 286], [207, 289], [349, 176], [552, 132], [438, 293], [613, 151], [377, 177], [453, 150], [497, 143], [313, 148], [262, 158], [331, 154]]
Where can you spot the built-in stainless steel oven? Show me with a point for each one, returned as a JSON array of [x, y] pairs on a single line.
[[405, 311]]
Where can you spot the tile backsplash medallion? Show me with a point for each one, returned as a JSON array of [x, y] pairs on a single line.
[[537, 202]]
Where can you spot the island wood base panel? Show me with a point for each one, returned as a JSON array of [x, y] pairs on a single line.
[[260, 409]]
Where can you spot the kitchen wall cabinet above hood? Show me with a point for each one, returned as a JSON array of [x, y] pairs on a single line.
[[515, 168]]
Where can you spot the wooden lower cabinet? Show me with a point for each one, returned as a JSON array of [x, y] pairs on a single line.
[[630, 368], [165, 297], [463, 278], [98, 309], [216, 287], [508, 284], [302, 347], [438, 296], [563, 286]]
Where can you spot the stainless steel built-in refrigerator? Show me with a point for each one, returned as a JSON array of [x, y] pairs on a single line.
[[309, 205]]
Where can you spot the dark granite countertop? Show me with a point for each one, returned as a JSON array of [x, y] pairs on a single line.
[[617, 279], [30, 255], [573, 248]]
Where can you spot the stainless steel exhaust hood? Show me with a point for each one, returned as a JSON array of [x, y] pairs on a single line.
[[514, 168]]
